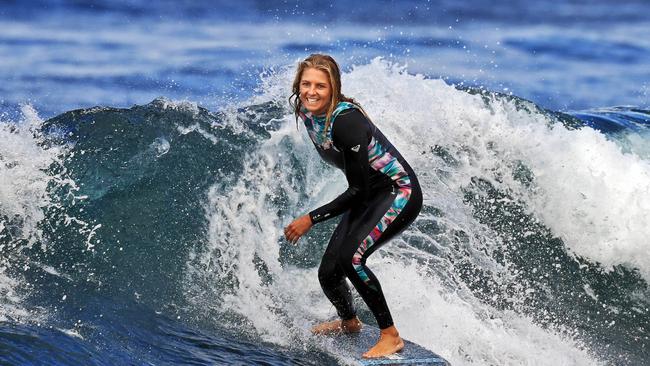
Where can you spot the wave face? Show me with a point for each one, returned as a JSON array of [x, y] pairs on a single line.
[[154, 233], [100, 211]]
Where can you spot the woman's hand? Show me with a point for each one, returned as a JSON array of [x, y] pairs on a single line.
[[297, 228]]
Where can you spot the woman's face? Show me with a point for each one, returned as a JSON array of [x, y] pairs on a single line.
[[315, 90]]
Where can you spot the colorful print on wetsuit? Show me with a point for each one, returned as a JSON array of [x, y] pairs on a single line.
[[316, 124]]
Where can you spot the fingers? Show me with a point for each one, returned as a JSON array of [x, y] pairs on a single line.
[[293, 238], [288, 232], [297, 228], [291, 234]]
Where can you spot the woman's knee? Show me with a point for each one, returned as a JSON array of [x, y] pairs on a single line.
[[348, 261]]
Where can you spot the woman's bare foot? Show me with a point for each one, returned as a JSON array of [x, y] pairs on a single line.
[[389, 343], [338, 326]]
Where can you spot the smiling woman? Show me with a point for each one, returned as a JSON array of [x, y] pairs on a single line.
[[315, 91], [382, 199]]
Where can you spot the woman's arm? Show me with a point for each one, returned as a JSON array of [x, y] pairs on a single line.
[[351, 135]]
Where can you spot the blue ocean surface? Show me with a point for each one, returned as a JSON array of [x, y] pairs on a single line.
[[149, 161]]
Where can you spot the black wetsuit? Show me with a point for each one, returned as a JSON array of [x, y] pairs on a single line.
[[382, 199]]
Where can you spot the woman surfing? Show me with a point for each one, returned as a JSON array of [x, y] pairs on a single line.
[[383, 197]]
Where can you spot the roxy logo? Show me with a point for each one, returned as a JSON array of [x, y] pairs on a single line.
[[355, 148]]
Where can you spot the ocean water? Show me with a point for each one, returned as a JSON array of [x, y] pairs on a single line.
[[149, 161]]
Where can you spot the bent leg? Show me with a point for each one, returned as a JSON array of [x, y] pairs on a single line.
[[332, 277], [387, 215]]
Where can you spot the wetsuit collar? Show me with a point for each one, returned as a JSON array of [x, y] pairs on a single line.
[[311, 115]]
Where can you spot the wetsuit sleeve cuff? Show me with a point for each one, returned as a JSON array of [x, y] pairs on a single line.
[[317, 216], [313, 216]]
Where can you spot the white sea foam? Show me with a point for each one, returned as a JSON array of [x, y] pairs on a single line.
[[577, 192], [465, 331], [23, 194], [587, 191], [23, 180], [10, 298]]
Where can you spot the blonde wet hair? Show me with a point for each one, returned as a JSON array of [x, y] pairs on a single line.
[[328, 65]]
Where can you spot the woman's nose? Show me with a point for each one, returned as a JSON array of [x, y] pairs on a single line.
[[311, 90]]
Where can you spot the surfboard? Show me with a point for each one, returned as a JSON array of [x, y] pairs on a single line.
[[354, 345]]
